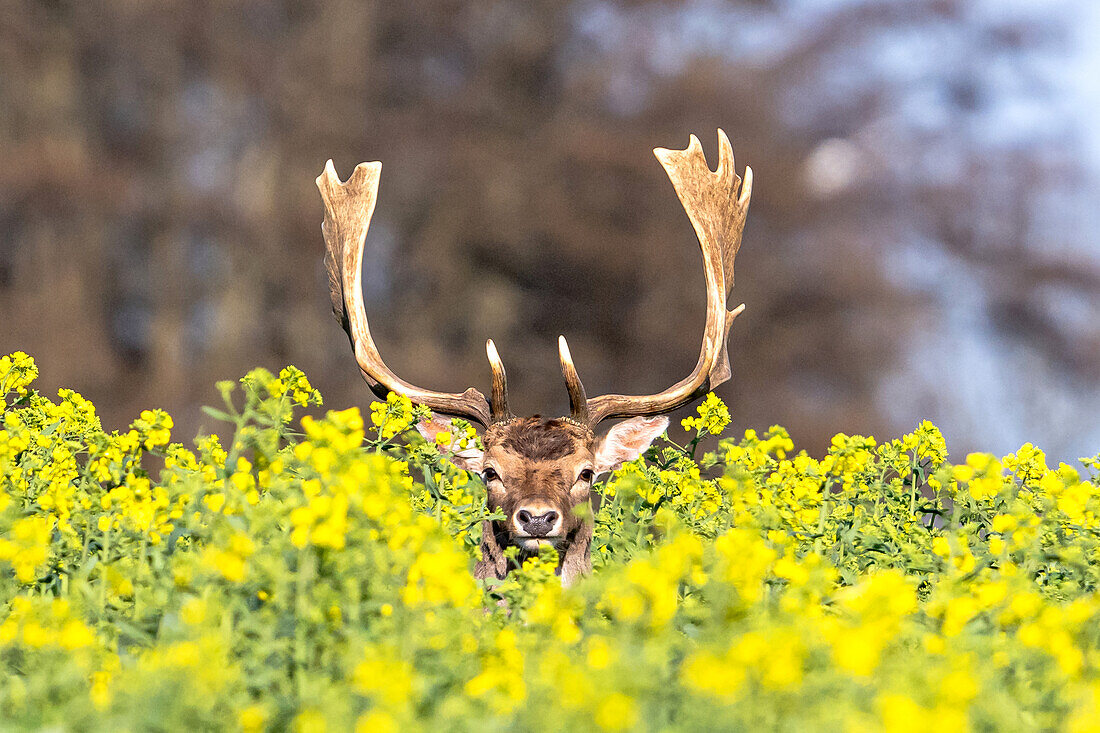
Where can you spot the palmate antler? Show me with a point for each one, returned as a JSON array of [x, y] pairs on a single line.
[[348, 210], [715, 207], [717, 212]]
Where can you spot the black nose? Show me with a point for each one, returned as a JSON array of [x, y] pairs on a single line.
[[536, 525]]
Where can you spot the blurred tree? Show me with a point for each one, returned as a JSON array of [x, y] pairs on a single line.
[[904, 257]]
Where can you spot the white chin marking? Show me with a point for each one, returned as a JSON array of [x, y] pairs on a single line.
[[532, 544]]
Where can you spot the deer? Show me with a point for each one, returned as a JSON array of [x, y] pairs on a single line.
[[539, 472]]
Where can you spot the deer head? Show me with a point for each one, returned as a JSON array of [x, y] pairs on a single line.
[[539, 471]]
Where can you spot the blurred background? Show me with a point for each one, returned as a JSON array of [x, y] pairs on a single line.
[[922, 241]]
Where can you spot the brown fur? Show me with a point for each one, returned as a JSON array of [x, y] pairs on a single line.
[[538, 439], [538, 462], [539, 466]]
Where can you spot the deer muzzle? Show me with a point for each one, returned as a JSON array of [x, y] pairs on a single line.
[[537, 521]]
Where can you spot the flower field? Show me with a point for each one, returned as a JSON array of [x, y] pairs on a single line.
[[314, 574]]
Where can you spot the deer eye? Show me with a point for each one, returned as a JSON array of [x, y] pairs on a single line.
[[586, 475], [489, 475]]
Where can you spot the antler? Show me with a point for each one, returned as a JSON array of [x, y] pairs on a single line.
[[348, 210], [717, 212]]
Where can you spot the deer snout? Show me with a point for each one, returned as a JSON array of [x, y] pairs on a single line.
[[537, 521]]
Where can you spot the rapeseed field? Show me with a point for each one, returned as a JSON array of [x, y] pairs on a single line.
[[314, 574]]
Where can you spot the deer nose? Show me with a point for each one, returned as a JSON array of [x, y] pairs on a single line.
[[538, 521]]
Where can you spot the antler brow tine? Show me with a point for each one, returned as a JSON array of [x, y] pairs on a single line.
[[717, 211], [348, 210], [578, 401], [498, 404]]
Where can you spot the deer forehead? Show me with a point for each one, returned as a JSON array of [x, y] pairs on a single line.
[[538, 449], [538, 439]]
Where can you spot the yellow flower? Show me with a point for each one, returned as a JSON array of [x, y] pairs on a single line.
[[230, 565], [600, 653], [901, 715], [75, 635], [783, 668], [376, 721], [100, 691], [252, 719], [17, 372], [617, 712], [791, 571], [29, 547], [392, 417], [193, 611], [156, 427], [35, 635], [708, 673], [214, 502], [857, 650], [293, 382], [310, 720], [959, 612], [713, 417]]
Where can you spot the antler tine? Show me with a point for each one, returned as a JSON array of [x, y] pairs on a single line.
[[578, 401], [348, 210], [717, 212], [499, 398]]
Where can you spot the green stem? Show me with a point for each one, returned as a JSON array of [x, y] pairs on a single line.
[[822, 515], [913, 483], [87, 541], [142, 568], [301, 610], [104, 559], [234, 450], [676, 445]]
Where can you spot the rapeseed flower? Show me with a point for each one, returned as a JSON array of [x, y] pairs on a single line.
[[322, 579]]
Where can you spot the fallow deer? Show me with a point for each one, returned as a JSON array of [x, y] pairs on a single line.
[[538, 471]]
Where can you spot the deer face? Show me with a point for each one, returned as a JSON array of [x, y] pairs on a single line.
[[538, 472]]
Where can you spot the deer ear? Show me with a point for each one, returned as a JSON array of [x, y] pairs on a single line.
[[468, 459], [628, 440]]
